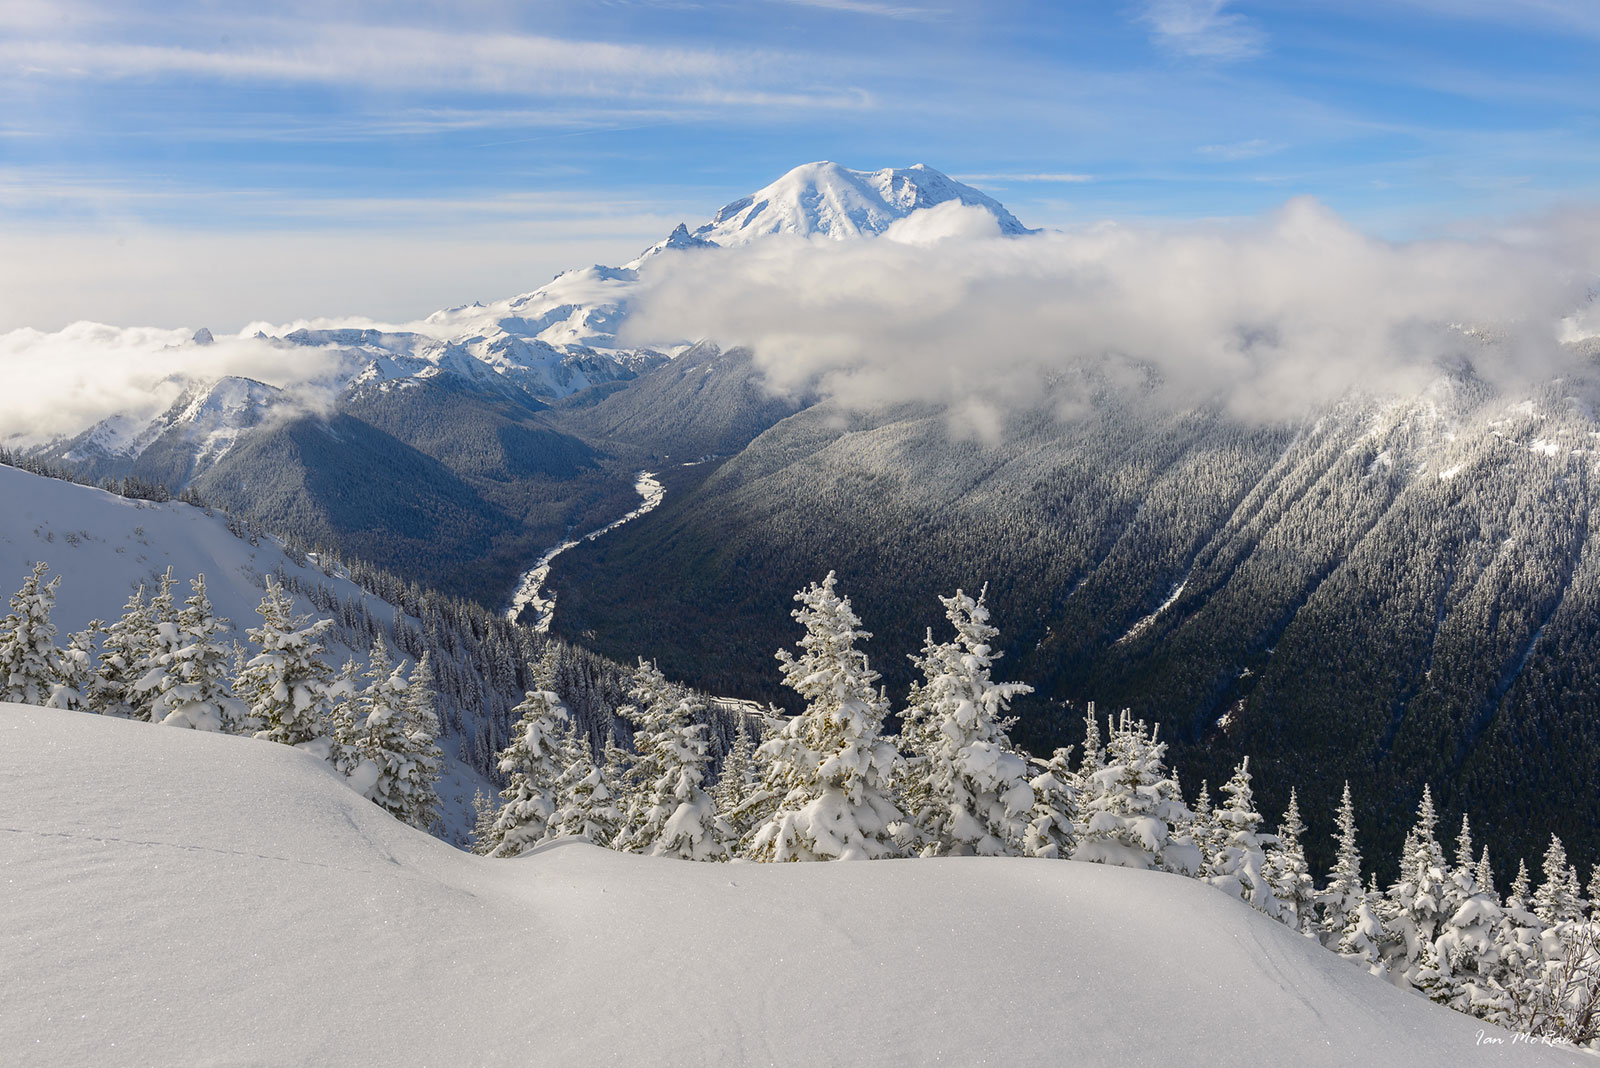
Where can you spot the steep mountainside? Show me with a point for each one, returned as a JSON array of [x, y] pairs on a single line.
[[1397, 592]]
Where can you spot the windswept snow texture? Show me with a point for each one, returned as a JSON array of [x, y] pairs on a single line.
[[832, 201], [180, 898]]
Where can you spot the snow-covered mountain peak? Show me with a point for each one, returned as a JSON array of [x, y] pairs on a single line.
[[832, 201]]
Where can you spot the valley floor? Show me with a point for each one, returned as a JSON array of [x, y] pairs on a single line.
[[173, 897]]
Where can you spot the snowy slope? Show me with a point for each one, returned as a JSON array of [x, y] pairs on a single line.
[[177, 898], [104, 546]]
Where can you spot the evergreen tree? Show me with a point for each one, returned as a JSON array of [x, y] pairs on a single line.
[[1287, 874], [1130, 804], [420, 785], [675, 815], [1412, 913], [160, 654], [192, 689], [286, 684], [124, 658], [1464, 951], [1364, 937], [586, 804], [30, 662], [1093, 757], [1485, 874], [830, 770], [737, 783], [380, 750], [76, 669], [1209, 835], [533, 764], [485, 815], [966, 789], [1342, 898], [1239, 867], [1052, 830], [1558, 899]]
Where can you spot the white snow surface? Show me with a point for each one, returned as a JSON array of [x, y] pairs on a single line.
[[182, 898], [104, 546]]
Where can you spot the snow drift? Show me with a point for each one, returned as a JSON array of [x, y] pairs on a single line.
[[179, 898]]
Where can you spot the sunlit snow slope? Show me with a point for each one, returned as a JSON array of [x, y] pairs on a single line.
[[178, 898], [103, 547]]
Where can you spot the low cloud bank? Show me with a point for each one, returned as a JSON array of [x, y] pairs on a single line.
[[1270, 317], [65, 381]]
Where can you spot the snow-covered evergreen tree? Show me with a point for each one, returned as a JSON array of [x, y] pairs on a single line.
[[420, 788], [485, 815], [30, 662], [125, 654], [1518, 950], [192, 685], [1052, 828], [965, 788], [1130, 804], [1208, 834], [830, 770], [1464, 950], [1484, 873], [376, 738], [1239, 867], [586, 803], [1558, 899], [1412, 912], [1364, 937], [1287, 874], [76, 666], [286, 684], [673, 815], [533, 764], [1340, 901], [740, 776]]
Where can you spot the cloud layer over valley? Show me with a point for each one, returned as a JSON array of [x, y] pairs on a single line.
[[1269, 316]]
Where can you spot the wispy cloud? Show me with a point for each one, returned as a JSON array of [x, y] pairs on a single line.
[[1057, 177], [1203, 29], [399, 57], [1582, 16], [1268, 316], [873, 8], [1254, 148]]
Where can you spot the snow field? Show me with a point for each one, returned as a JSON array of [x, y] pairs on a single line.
[[177, 897]]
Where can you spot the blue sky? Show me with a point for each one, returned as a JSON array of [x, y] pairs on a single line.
[[210, 163]]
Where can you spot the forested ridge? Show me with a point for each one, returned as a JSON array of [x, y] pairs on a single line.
[[1393, 592]]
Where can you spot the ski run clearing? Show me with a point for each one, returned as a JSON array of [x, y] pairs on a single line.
[[179, 897]]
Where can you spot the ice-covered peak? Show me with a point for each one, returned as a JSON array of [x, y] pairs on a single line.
[[833, 201]]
